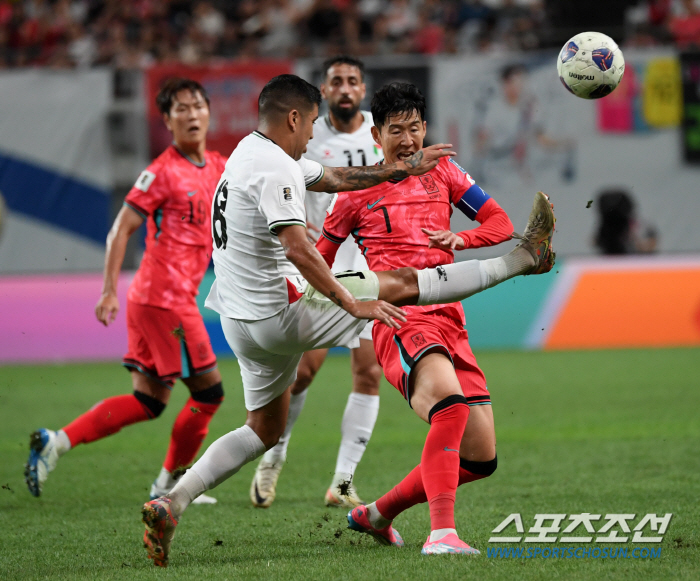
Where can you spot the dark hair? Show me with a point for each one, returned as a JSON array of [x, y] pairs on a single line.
[[286, 92], [513, 69], [615, 211], [343, 59], [397, 99], [172, 87]]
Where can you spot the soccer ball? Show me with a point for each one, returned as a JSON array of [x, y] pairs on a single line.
[[590, 65]]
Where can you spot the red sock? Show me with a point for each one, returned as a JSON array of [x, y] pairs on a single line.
[[410, 491], [106, 418], [189, 430], [440, 463]]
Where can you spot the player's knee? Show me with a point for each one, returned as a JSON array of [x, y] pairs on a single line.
[[305, 375], [152, 406], [483, 469], [408, 275], [213, 394], [367, 379]]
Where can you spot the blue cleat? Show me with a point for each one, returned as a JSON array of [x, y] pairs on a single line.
[[43, 456]]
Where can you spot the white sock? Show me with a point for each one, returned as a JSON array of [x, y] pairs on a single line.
[[451, 283], [221, 460], [62, 443], [279, 452], [438, 534], [165, 480], [356, 429], [375, 517]]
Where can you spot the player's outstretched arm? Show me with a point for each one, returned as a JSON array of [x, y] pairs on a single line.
[[302, 254], [125, 224], [345, 179]]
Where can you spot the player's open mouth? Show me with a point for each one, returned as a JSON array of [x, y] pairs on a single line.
[[405, 155], [193, 129]]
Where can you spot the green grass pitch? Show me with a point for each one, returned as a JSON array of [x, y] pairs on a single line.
[[597, 432]]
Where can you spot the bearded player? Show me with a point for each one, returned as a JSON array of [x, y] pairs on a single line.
[[341, 138], [407, 223], [167, 339]]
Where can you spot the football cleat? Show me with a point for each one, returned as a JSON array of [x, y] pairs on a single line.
[[264, 485], [160, 530], [358, 520], [343, 495], [449, 544], [43, 456], [537, 238]]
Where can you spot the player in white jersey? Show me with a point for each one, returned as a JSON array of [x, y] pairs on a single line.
[[277, 297], [341, 138]]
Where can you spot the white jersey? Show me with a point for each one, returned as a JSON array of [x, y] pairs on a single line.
[[334, 148], [261, 189]]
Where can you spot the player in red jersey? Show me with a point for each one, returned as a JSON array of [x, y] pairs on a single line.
[[167, 339], [407, 223]]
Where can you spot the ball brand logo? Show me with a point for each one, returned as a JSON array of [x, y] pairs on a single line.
[[581, 77]]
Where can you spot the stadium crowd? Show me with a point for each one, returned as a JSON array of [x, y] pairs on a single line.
[[134, 34]]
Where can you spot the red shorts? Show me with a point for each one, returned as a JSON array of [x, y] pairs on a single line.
[[398, 351], [167, 344]]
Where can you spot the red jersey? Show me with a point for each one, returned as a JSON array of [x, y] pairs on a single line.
[[174, 195], [386, 222]]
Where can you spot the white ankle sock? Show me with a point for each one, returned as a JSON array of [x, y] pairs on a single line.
[[221, 460], [279, 451], [438, 534], [62, 443], [165, 480], [356, 429], [375, 517], [451, 283]]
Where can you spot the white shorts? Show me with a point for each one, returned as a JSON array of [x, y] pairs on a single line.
[[269, 350], [349, 258]]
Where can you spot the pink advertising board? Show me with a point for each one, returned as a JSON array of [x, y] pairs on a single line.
[[52, 318]]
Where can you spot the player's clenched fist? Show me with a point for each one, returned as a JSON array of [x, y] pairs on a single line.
[[106, 309], [444, 239]]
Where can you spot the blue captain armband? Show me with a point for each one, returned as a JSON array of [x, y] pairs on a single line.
[[471, 201]]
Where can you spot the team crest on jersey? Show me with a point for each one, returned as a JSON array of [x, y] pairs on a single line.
[[145, 180], [419, 340], [287, 195], [429, 184]]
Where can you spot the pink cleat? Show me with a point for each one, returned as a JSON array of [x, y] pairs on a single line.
[[358, 520], [449, 544], [160, 530]]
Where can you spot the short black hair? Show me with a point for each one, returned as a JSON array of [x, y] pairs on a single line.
[[344, 59], [512, 69], [397, 99], [172, 87], [286, 92]]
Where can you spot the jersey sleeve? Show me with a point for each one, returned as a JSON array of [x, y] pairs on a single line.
[[312, 170], [149, 192], [282, 198], [495, 226]]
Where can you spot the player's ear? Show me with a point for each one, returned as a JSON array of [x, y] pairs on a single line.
[[375, 134], [323, 90], [166, 120], [363, 88], [293, 120]]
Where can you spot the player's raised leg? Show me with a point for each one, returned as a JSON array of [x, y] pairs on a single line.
[[358, 423], [105, 418], [455, 282], [263, 488]]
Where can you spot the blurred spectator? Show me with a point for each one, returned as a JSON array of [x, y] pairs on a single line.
[[135, 33], [618, 230]]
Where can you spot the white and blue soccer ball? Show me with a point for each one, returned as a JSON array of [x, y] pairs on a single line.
[[591, 65]]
